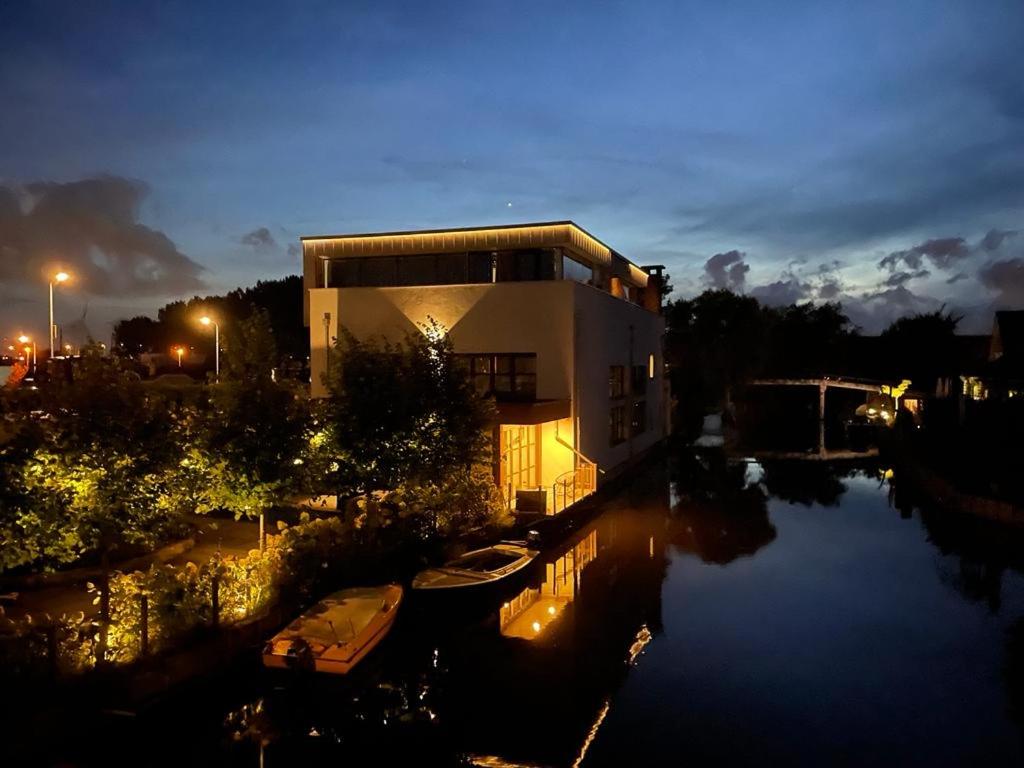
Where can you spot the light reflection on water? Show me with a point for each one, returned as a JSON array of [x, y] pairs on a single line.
[[715, 612]]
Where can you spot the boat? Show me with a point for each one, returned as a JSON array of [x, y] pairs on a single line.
[[336, 633], [476, 568]]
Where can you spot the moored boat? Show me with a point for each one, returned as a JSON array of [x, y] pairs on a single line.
[[477, 568], [336, 633]]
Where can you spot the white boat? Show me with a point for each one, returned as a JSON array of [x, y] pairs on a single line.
[[479, 567], [336, 633]]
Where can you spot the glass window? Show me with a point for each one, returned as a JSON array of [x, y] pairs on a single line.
[[616, 381], [617, 424], [417, 270], [638, 384], [507, 377], [343, 273], [575, 270], [378, 271], [479, 267], [451, 268]]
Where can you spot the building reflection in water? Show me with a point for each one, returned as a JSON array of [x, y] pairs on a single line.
[[530, 612]]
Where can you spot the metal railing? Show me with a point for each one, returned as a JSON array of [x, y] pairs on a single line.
[[573, 485]]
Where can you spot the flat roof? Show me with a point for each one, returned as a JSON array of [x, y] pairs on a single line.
[[484, 238]]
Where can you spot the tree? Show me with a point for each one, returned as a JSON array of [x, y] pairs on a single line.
[[921, 348], [806, 340], [256, 425], [402, 412], [713, 343]]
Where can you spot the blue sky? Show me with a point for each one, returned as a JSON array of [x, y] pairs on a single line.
[[860, 152]]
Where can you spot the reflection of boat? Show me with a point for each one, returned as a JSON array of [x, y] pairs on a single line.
[[336, 633], [481, 566]]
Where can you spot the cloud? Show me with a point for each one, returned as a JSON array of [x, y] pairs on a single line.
[[995, 238], [897, 279], [91, 229], [294, 250], [956, 278], [259, 238], [942, 252], [1006, 279], [726, 270], [782, 292]]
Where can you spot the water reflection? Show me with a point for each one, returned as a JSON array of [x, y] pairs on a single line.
[[722, 510], [805, 482], [781, 635]]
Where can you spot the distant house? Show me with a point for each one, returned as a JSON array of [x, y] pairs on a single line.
[[1004, 372], [561, 330]]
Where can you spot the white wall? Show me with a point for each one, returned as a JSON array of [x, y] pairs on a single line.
[[494, 317], [603, 340], [537, 317]]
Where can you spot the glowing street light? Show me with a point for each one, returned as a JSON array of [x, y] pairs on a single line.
[[179, 351], [207, 320], [58, 278], [23, 339]]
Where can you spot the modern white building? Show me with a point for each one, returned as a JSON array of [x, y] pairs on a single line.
[[564, 332]]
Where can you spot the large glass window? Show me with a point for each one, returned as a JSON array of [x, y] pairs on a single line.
[[617, 424], [506, 377], [575, 270], [638, 381], [616, 381]]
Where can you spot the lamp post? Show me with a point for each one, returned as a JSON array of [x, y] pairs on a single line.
[[207, 320], [179, 351], [58, 278], [25, 340]]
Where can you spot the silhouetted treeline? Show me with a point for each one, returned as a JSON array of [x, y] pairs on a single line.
[[719, 340], [177, 322]]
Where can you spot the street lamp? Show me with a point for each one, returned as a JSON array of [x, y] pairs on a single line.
[[179, 351], [207, 320], [25, 340], [60, 277]]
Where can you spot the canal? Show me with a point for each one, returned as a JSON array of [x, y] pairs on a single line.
[[715, 612]]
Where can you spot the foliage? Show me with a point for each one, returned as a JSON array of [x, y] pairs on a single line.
[[86, 475], [256, 426], [464, 501], [720, 340], [281, 300], [919, 347], [401, 413]]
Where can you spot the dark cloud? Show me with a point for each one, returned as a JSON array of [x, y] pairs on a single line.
[[956, 278], [830, 289], [942, 252], [294, 250], [995, 237], [726, 270], [899, 278], [259, 238], [1006, 279], [90, 228], [782, 292]]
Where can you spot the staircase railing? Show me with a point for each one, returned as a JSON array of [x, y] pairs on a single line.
[[571, 486]]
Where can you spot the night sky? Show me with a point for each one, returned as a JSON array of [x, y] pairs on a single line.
[[871, 153]]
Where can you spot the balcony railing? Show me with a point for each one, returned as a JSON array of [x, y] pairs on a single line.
[[574, 485]]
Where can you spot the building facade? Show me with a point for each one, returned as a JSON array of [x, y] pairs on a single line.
[[563, 332]]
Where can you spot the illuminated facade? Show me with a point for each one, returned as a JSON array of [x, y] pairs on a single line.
[[561, 330]]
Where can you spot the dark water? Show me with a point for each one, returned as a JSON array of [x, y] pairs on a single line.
[[715, 613]]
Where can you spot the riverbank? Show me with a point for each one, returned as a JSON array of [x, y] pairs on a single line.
[[943, 492]]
